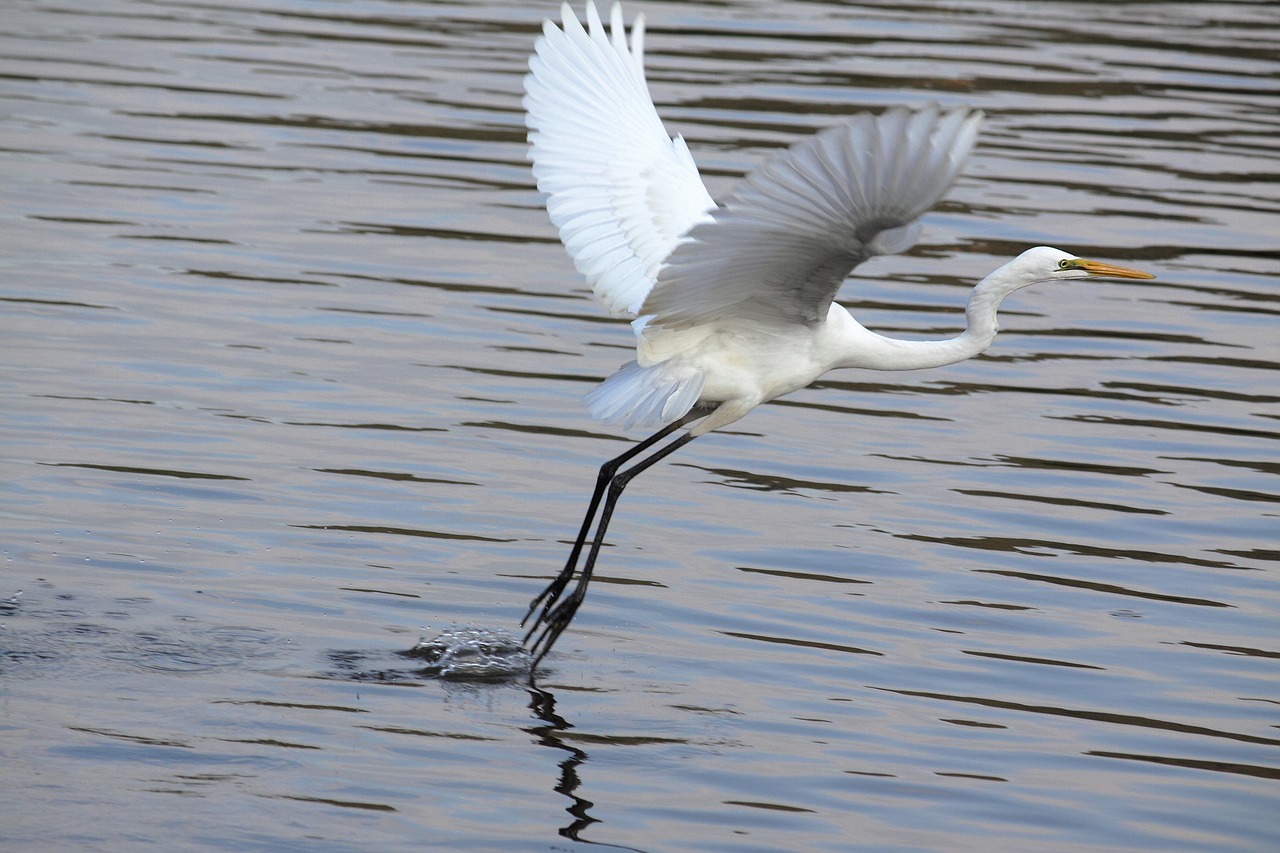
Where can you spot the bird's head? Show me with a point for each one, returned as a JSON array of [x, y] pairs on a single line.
[[1033, 267], [1046, 264]]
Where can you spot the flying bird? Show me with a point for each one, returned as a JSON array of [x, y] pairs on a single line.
[[732, 305]]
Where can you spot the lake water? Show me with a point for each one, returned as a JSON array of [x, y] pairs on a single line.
[[290, 374]]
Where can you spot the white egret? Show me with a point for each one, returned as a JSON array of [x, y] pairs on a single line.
[[733, 304]]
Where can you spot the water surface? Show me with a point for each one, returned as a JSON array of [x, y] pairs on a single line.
[[290, 370]]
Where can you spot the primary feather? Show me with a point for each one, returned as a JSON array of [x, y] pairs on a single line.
[[791, 232], [621, 191]]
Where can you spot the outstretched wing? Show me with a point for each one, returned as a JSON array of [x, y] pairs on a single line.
[[621, 191], [792, 231]]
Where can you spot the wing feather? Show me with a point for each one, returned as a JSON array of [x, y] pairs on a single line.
[[792, 231], [620, 190]]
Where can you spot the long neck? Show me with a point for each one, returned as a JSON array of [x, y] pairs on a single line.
[[878, 352]]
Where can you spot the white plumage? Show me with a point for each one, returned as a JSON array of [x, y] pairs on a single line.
[[712, 281]]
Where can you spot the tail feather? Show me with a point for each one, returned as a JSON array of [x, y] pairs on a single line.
[[651, 396]]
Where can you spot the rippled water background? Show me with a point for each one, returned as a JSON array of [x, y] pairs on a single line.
[[290, 368]]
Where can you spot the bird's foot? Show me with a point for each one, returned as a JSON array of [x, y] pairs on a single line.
[[546, 600], [552, 622]]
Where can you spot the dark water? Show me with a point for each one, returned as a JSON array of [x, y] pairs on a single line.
[[290, 368]]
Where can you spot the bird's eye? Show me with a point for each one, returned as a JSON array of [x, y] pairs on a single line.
[[1062, 264]]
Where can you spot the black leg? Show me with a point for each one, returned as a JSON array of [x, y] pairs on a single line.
[[553, 618], [607, 471]]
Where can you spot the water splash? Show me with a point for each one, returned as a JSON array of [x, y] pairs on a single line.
[[470, 654]]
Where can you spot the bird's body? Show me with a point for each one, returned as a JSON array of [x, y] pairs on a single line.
[[739, 364], [734, 304]]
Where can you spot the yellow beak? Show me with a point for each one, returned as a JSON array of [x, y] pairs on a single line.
[[1109, 270]]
